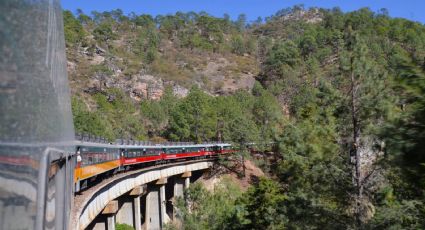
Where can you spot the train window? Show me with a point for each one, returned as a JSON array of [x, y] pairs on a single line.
[[85, 159], [193, 149], [174, 150]]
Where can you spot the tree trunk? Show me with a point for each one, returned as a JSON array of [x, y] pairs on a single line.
[[243, 165], [355, 154]]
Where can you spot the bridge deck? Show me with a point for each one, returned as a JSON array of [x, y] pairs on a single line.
[[82, 200]]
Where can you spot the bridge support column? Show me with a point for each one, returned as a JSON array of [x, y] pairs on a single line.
[[137, 215], [137, 193], [156, 216], [125, 212], [111, 222], [186, 182], [179, 187], [186, 177], [164, 217], [109, 212], [129, 208]]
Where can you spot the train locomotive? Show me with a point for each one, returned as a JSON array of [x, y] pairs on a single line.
[[95, 160]]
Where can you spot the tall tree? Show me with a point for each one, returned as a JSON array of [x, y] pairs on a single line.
[[366, 99]]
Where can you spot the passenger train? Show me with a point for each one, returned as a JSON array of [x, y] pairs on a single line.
[[96, 160]]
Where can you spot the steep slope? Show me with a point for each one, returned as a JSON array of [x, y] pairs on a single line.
[[140, 55]]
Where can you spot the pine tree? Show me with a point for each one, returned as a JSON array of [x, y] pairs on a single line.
[[365, 99]]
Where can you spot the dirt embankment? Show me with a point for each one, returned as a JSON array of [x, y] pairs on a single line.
[[235, 173]]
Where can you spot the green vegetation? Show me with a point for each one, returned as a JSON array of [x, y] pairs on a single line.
[[115, 116], [341, 95], [197, 117], [74, 31], [209, 210], [123, 227]]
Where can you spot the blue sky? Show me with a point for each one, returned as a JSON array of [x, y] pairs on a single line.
[[410, 9]]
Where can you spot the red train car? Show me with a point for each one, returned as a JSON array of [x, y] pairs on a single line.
[[100, 159]]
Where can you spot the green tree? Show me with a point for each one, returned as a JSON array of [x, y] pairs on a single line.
[[193, 118], [367, 99], [74, 31], [103, 32], [86, 121], [241, 22], [210, 209], [264, 205], [267, 113], [238, 46]]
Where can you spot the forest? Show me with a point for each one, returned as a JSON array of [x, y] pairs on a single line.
[[340, 94]]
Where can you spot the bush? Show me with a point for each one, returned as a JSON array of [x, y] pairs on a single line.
[[123, 227]]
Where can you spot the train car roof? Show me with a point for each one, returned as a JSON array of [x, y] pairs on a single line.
[[106, 145]]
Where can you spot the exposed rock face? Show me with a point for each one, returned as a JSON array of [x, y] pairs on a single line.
[[252, 173], [138, 86], [309, 16], [71, 66], [97, 59], [180, 91], [145, 87], [216, 72], [93, 69]]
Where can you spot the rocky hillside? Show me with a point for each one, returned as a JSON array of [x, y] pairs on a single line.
[[117, 61], [141, 55]]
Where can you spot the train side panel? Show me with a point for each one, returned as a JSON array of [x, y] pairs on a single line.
[[86, 172]]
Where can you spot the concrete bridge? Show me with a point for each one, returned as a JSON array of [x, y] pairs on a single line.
[[141, 198]]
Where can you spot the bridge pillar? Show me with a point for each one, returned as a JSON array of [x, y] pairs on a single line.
[[180, 182], [111, 222], [137, 193], [156, 216], [129, 208], [125, 212], [179, 187], [164, 217], [186, 177], [108, 212]]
